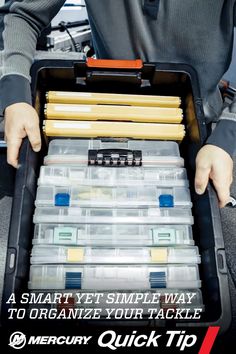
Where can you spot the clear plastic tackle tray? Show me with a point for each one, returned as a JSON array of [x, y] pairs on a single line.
[[160, 299], [123, 176], [115, 197], [105, 235], [128, 277], [112, 153], [113, 255], [136, 216]]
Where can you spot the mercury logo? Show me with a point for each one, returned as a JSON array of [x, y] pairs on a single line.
[[17, 340]]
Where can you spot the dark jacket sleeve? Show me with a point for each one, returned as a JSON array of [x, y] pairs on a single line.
[[224, 134], [20, 25]]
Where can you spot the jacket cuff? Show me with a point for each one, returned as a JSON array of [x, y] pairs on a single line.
[[224, 136], [14, 89]]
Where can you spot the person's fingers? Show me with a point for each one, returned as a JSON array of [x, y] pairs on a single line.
[[21, 120], [13, 146], [33, 132], [223, 191], [201, 178]]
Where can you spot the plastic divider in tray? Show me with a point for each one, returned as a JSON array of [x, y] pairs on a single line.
[[161, 299], [128, 277], [123, 176], [113, 255], [136, 216], [76, 151], [120, 197], [105, 235]]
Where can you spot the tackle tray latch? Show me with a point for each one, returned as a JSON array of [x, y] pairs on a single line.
[[115, 157]]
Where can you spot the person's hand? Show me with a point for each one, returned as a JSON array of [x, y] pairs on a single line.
[[21, 120], [214, 163]]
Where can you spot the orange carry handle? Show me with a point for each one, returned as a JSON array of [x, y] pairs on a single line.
[[114, 64]]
